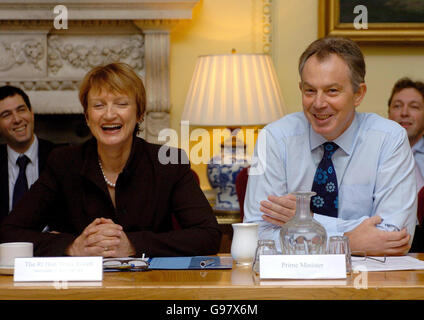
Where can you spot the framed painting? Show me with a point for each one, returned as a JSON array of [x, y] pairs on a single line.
[[373, 21]]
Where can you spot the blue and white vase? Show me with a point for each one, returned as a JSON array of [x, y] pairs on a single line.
[[222, 173]]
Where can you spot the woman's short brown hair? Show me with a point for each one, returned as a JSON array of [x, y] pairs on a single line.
[[345, 48], [115, 77]]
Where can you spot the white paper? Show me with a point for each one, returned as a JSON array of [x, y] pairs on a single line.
[[317, 282], [59, 284], [58, 269], [391, 264], [320, 266]]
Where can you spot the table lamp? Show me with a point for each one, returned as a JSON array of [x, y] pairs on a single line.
[[232, 90]]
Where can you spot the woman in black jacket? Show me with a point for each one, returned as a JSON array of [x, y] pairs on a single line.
[[113, 196]]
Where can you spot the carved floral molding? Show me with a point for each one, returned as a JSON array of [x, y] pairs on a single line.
[[29, 51], [37, 60], [88, 56]]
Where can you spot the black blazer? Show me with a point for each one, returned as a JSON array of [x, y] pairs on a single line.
[[44, 148], [71, 193]]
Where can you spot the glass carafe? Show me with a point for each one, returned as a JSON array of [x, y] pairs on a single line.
[[303, 234]]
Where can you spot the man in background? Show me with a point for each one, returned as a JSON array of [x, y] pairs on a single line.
[[23, 156], [406, 107]]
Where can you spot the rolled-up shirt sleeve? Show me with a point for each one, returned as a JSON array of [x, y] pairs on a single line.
[[265, 178], [393, 191]]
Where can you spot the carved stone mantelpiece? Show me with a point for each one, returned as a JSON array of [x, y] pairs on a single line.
[[49, 63], [18, 51]]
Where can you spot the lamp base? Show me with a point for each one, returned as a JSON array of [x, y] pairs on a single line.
[[222, 172]]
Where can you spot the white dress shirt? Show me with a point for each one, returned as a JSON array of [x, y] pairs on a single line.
[[418, 151], [374, 166], [31, 169]]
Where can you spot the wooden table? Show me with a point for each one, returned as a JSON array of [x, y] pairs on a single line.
[[236, 284]]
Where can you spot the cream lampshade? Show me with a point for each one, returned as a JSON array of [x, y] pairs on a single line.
[[232, 90]]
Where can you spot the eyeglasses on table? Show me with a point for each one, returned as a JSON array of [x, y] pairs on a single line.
[[125, 263]]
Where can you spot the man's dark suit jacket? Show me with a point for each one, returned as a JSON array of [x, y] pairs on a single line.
[[71, 193], [44, 149]]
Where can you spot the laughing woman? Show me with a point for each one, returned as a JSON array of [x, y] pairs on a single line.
[[112, 196]]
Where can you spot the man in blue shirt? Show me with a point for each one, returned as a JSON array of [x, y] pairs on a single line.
[[375, 178], [406, 107]]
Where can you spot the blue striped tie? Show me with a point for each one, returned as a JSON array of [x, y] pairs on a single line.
[[325, 201]]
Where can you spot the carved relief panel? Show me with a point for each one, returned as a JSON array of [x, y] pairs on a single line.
[[75, 55], [23, 55]]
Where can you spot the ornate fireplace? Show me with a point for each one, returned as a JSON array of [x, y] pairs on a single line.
[[47, 55]]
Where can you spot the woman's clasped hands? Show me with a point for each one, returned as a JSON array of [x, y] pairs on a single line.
[[104, 238]]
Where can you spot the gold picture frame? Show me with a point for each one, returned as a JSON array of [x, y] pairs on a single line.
[[377, 32]]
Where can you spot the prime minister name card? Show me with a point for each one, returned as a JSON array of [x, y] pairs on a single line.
[[320, 266], [58, 269]]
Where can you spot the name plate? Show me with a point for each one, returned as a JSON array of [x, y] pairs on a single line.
[[58, 269], [320, 266]]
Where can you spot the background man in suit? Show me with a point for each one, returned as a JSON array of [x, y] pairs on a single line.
[[17, 129], [406, 107]]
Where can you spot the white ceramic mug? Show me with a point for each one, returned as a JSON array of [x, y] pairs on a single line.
[[243, 245], [11, 250]]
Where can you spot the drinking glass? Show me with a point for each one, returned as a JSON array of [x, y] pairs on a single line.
[[340, 245], [265, 247], [243, 245]]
